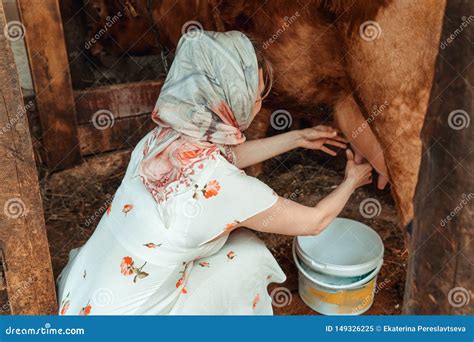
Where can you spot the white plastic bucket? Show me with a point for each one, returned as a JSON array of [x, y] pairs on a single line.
[[345, 248], [343, 281]]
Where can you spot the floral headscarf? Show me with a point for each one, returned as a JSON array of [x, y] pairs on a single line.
[[205, 104]]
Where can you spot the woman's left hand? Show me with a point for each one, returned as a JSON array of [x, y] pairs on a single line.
[[316, 138]]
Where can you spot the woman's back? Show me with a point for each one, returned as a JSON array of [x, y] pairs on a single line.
[[141, 253]]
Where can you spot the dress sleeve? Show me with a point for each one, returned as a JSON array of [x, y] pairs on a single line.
[[225, 197]]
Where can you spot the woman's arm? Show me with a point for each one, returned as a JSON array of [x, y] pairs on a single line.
[[290, 218], [255, 151]]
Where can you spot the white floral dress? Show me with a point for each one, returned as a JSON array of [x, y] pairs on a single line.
[[175, 257]]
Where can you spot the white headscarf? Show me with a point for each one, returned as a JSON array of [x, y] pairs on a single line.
[[206, 102]]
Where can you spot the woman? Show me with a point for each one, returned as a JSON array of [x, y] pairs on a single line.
[[163, 246]]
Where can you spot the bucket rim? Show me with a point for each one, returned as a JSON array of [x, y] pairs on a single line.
[[363, 281], [342, 270]]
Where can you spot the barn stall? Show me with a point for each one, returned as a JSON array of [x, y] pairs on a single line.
[[85, 110]]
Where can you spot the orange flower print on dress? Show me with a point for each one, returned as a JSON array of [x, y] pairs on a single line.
[[109, 209], [126, 208], [184, 291], [211, 189], [180, 281], [127, 268], [152, 245], [86, 310], [65, 304], [231, 255], [255, 301], [204, 264], [65, 307]]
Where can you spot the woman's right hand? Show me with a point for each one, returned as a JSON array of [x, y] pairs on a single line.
[[357, 174]]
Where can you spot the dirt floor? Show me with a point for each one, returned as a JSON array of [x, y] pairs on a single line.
[[72, 198]]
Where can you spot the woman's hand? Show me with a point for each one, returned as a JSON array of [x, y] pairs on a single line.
[[316, 138], [255, 151], [357, 175]]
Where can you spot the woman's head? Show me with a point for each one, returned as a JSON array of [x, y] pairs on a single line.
[[212, 92], [214, 87]]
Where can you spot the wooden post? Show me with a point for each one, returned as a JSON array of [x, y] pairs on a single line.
[[441, 266], [47, 55], [23, 241]]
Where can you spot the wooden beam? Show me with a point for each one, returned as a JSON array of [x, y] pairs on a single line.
[[123, 133], [29, 278], [441, 266], [122, 100], [47, 55], [128, 105]]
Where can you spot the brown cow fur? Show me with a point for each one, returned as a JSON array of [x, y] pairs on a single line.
[[398, 69]]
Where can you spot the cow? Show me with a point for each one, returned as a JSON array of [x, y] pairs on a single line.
[[372, 62]]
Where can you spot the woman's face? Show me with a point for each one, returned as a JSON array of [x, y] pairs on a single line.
[[258, 103]]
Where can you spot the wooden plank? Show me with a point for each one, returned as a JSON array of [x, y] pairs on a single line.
[[29, 278], [121, 100], [51, 79], [123, 133], [441, 266], [130, 106]]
